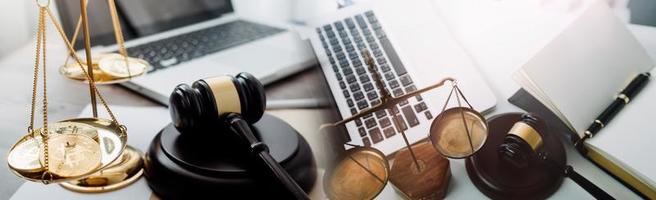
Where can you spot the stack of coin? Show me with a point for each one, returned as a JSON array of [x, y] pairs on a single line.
[[107, 68], [74, 128], [72, 155], [73, 151], [24, 157]]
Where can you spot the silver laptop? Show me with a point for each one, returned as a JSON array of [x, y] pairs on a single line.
[[188, 40], [412, 48]]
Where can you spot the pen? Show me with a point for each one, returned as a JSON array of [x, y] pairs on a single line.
[[622, 99]]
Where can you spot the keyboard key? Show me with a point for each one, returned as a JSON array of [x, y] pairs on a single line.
[[355, 87], [366, 142], [357, 63], [354, 111], [367, 87], [350, 103], [347, 70], [406, 80], [360, 70], [389, 132], [358, 96], [429, 116], [371, 122], [339, 25], [349, 23], [369, 14], [341, 83], [395, 110], [340, 56], [411, 88], [375, 26], [334, 42], [400, 124], [350, 79], [362, 132], [362, 104], [410, 116], [394, 84], [375, 47], [403, 103], [376, 137], [419, 98], [353, 56], [358, 122], [367, 116], [346, 93], [385, 68], [385, 122], [380, 114], [389, 76], [366, 32], [378, 53], [361, 22], [364, 78], [342, 34], [372, 95], [327, 28], [397, 92], [420, 107], [330, 34]]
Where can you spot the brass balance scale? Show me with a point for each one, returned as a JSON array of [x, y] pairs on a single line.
[[363, 172], [82, 154]]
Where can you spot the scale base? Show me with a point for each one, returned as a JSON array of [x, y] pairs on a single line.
[[430, 181], [126, 170]]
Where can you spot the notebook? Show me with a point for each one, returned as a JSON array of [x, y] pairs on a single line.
[[578, 74]]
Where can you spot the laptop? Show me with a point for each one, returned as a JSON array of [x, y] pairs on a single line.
[[412, 48], [188, 40]]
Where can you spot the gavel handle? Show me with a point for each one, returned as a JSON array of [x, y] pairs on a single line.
[[261, 152], [282, 176], [588, 186]]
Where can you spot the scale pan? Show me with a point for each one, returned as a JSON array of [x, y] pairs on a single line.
[[450, 137], [111, 140], [361, 174], [107, 69]]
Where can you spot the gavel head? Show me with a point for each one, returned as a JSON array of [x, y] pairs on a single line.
[[201, 106], [522, 143]]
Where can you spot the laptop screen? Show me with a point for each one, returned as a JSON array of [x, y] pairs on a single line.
[[139, 18]]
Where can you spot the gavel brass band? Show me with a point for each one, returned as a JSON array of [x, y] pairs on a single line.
[[225, 94], [526, 132]]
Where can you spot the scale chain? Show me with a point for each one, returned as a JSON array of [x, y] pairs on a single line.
[[77, 59]]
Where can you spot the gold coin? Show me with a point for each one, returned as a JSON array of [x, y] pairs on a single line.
[[458, 132], [73, 71], [25, 156], [72, 155], [74, 128], [118, 67]]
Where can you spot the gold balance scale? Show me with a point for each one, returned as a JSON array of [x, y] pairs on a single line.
[[363, 172], [82, 154]]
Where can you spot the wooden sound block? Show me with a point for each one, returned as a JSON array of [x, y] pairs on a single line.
[[430, 182], [500, 180]]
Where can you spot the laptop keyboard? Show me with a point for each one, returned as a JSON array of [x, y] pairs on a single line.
[[174, 50], [344, 42]]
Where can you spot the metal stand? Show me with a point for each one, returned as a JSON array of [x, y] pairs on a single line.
[[128, 168]]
